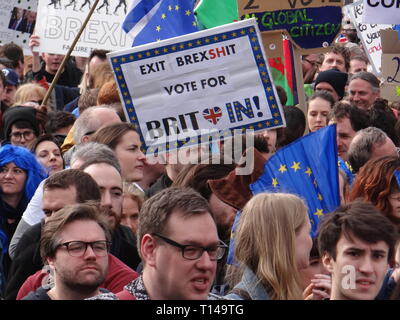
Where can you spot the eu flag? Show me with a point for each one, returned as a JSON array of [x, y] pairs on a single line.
[[166, 19], [308, 167]]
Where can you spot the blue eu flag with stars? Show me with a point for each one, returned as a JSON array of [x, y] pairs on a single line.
[[166, 19], [308, 167]]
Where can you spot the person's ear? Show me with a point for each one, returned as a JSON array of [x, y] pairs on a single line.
[[327, 261], [148, 249]]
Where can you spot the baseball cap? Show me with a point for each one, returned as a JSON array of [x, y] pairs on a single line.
[[11, 76]]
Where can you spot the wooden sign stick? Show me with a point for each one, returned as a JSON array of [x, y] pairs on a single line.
[[68, 54]]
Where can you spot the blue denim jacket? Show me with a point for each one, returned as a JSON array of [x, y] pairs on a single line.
[[250, 285]]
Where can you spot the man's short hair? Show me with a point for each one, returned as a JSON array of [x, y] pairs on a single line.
[[86, 187], [155, 211], [59, 119], [359, 219], [337, 49], [360, 149], [13, 52], [100, 53], [93, 152], [359, 118], [295, 125], [50, 239], [87, 123], [369, 77]]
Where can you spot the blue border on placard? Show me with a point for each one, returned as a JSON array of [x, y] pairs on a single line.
[[249, 32]]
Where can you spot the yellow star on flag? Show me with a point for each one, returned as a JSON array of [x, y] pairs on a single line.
[[163, 16], [158, 28], [177, 7], [296, 166], [187, 12], [274, 182], [282, 168], [320, 197], [309, 172], [319, 213]]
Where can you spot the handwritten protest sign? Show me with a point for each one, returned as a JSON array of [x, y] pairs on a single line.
[[201, 86], [390, 89], [17, 21], [381, 11], [368, 33], [60, 21], [310, 24]]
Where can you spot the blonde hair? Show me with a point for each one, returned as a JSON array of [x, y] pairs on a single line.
[[23, 92], [266, 242]]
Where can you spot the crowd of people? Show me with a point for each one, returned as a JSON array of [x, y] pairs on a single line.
[[84, 214]]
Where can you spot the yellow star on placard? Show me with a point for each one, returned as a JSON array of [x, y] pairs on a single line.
[[274, 182], [182, 46], [165, 50], [320, 197], [295, 166], [308, 171], [198, 42], [282, 168], [319, 213]]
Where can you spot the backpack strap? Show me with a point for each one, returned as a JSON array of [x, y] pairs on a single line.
[[125, 295]]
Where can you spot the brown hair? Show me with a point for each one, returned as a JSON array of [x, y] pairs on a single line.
[[111, 135], [155, 211], [108, 93], [86, 187], [359, 219], [375, 182], [50, 239]]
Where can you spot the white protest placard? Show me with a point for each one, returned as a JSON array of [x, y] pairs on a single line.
[[381, 11], [369, 34], [17, 21], [201, 86], [60, 20]]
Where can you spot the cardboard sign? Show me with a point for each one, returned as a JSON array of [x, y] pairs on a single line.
[[198, 87], [18, 19], [61, 21], [381, 11], [369, 34], [390, 89], [311, 24]]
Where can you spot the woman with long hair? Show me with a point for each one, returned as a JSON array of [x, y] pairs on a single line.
[[20, 175], [124, 140], [376, 182], [273, 243]]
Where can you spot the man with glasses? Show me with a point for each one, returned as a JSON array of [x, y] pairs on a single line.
[[75, 243], [20, 126], [179, 247]]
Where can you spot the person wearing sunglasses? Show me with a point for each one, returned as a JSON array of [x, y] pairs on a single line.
[[75, 243], [179, 247]]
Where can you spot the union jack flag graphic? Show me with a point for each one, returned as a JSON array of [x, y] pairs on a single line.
[[213, 114]]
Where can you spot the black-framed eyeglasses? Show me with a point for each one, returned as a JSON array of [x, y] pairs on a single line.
[[28, 134], [192, 252], [78, 248]]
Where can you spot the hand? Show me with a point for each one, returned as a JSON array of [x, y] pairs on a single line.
[[319, 288], [34, 42]]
